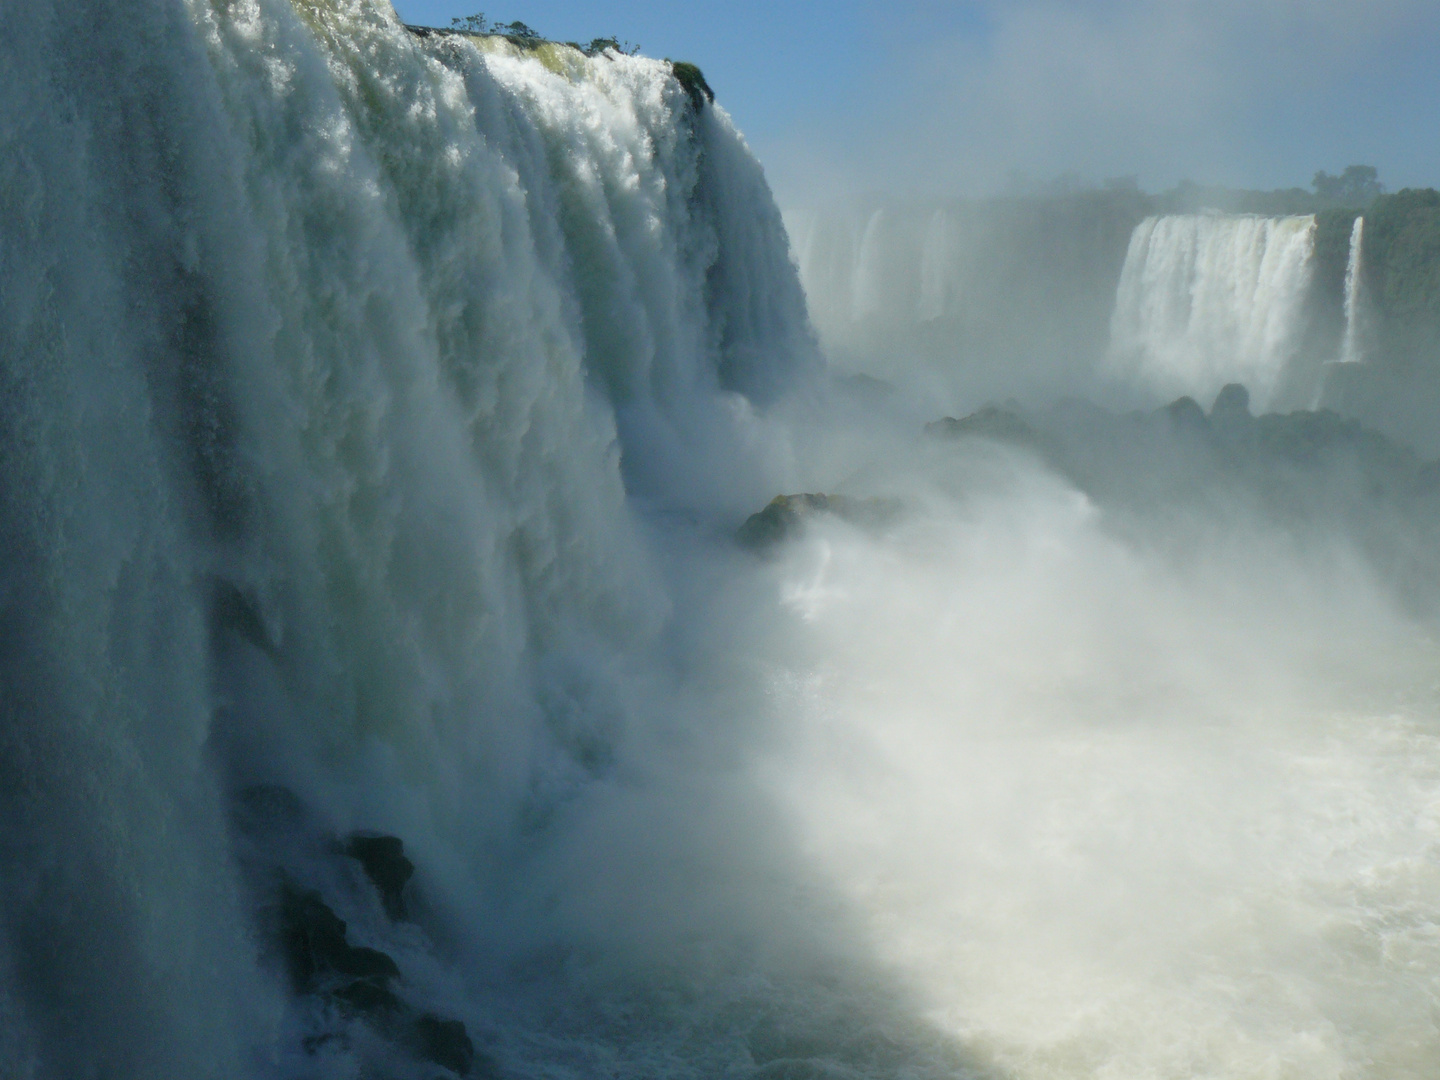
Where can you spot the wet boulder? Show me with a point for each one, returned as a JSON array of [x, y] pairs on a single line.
[[447, 1044], [316, 950], [1233, 402], [991, 422], [384, 862], [785, 515]]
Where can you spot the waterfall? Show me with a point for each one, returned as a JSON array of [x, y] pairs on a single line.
[[335, 359], [1209, 299], [1351, 349]]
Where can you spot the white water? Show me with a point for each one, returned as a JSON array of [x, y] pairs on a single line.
[[387, 334], [460, 367], [1352, 347], [1208, 299], [1124, 817]]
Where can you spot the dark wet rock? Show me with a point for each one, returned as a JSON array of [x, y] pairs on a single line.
[[689, 76], [447, 1044], [384, 862], [1232, 401], [784, 516], [316, 951], [991, 422], [369, 996], [1315, 438], [365, 1009], [1186, 415]]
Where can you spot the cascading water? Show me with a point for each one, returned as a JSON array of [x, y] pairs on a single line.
[[330, 355], [1209, 299], [376, 413], [1351, 347]]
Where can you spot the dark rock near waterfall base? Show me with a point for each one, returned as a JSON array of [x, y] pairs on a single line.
[[447, 1044], [316, 949], [383, 859], [285, 850], [1175, 471], [1232, 401], [990, 422], [369, 997], [1186, 415], [785, 515]]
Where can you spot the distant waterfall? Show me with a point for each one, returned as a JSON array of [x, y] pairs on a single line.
[[1351, 349], [987, 298], [1207, 299]]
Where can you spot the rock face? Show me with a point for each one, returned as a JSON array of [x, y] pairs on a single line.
[[446, 1043], [383, 859], [1232, 401], [300, 873], [785, 515], [1179, 468], [990, 422], [313, 939]]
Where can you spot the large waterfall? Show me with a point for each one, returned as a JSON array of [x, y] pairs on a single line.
[[1208, 299], [330, 354], [405, 671]]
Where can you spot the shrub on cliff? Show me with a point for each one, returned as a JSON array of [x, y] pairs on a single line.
[[1402, 260], [689, 76]]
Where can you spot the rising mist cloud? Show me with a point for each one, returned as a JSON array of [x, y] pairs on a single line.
[[1251, 94]]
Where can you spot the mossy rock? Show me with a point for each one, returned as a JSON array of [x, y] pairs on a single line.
[[690, 77]]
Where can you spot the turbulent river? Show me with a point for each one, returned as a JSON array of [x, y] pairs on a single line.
[[384, 691]]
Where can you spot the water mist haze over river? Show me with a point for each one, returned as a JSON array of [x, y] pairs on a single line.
[[406, 673]]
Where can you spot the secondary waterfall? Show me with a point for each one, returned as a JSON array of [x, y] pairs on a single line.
[[1351, 347], [1209, 299]]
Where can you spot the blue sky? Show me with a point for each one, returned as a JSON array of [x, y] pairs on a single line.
[[923, 96]]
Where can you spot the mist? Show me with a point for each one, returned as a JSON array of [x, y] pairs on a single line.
[[966, 100]]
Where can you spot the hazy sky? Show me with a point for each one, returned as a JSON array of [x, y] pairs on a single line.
[[925, 95]]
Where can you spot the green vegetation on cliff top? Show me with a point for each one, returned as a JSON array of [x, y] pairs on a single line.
[[518, 34]]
